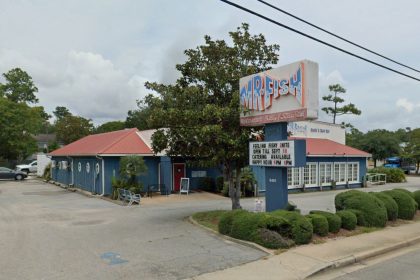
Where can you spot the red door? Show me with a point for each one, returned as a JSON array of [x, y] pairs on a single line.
[[178, 173]]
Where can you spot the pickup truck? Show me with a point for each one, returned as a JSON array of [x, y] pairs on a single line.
[[27, 168]]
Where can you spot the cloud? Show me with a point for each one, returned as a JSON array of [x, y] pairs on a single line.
[[94, 88], [407, 105]]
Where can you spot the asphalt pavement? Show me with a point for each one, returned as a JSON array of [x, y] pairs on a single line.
[[50, 233]]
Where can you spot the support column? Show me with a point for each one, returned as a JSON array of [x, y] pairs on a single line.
[[276, 193], [166, 173]]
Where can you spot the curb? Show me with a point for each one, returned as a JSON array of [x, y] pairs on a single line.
[[242, 242], [363, 256]]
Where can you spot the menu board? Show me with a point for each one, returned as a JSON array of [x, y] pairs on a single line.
[[273, 153]]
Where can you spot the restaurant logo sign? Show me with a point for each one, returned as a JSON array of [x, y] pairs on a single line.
[[288, 93]]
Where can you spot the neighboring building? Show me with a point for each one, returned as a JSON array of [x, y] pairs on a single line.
[[91, 162]]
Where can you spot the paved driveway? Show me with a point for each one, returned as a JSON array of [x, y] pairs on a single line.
[[50, 233]]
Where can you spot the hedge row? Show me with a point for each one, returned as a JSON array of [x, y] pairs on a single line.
[[393, 175], [283, 229], [374, 209]]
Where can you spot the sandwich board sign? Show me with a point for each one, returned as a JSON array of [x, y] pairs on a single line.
[[185, 185]]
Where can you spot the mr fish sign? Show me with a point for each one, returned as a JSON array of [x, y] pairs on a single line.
[[287, 93]]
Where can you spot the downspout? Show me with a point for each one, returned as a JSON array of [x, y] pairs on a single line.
[[103, 175], [72, 171]]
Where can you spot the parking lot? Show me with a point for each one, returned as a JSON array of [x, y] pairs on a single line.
[[51, 233]]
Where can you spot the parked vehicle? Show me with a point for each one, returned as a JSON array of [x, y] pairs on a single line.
[[28, 168], [6, 173], [398, 162]]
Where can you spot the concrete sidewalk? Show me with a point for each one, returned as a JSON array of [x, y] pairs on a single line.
[[307, 260]]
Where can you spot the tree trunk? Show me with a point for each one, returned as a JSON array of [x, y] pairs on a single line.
[[374, 162], [234, 190]]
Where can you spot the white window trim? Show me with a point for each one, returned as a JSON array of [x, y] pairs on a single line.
[[358, 173], [295, 185], [316, 175], [332, 173]]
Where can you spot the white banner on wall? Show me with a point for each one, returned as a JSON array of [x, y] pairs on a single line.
[[273, 153]]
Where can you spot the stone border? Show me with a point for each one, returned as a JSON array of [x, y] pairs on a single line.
[[239, 241]]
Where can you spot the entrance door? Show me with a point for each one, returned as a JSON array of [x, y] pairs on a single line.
[[178, 172]]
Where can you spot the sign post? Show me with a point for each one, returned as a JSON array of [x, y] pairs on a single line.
[[273, 98]]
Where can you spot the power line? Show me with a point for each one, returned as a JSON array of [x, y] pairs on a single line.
[[337, 36], [318, 40]]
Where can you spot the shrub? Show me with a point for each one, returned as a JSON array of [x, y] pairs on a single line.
[[372, 208], [360, 217], [271, 239], [334, 221], [407, 206], [47, 172], [226, 220], [390, 205], [245, 225], [219, 183], [301, 228], [319, 223], [405, 191], [207, 184], [348, 219], [416, 196], [393, 175]]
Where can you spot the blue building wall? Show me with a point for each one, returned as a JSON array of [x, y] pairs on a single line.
[[195, 181]]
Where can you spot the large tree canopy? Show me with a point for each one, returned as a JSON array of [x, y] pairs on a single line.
[[71, 128], [19, 87], [201, 110]]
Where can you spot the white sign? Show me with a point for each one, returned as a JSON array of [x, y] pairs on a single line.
[[287, 93], [317, 129], [275, 154]]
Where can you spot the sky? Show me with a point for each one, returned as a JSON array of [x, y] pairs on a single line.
[[94, 56]]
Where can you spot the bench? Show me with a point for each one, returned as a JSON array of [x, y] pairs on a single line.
[[156, 188], [130, 197]]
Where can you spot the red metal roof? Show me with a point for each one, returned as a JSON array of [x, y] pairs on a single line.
[[326, 147], [119, 142]]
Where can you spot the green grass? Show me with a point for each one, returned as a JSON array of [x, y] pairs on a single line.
[[209, 219]]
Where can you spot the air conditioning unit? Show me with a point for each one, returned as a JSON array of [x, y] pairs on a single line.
[[64, 164], [53, 164]]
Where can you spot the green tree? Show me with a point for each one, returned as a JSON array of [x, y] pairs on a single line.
[[18, 123], [381, 144], [71, 128], [139, 118], [110, 126], [19, 87], [130, 168], [61, 112], [201, 110], [354, 138], [336, 110], [412, 149]]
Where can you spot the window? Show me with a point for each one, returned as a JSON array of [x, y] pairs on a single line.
[[310, 175], [198, 174], [340, 172], [294, 178], [325, 173], [353, 171], [79, 167], [87, 167]]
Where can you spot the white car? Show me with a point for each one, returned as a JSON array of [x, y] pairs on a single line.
[[27, 168]]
